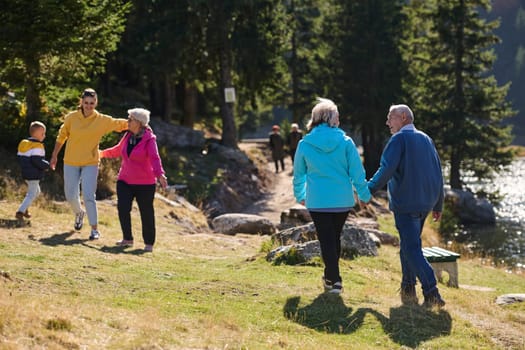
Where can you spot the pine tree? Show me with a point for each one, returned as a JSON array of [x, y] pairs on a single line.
[[449, 51]]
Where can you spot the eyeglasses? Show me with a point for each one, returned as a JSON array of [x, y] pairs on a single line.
[[130, 119]]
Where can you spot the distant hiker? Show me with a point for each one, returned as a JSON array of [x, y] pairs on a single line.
[[293, 139], [31, 156], [327, 170], [410, 165], [277, 147], [83, 129], [140, 169]]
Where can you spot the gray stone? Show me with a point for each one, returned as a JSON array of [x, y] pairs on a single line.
[[242, 223], [469, 209], [507, 299], [171, 135], [303, 252]]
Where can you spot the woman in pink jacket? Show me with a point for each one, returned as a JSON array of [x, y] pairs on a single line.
[[140, 169]]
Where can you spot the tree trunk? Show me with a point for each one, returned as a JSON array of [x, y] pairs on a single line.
[[229, 133], [33, 102], [455, 165], [190, 105], [168, 99], [372, 149]]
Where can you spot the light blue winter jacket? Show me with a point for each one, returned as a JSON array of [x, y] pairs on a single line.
[[327, 168]]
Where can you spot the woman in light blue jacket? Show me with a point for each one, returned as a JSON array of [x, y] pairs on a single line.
[[327, 171]]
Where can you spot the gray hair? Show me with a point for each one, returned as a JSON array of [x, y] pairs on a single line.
[[140, 114], [325, 111], [399, 109]]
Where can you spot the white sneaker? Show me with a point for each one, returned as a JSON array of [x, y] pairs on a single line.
[[94, 235], [79, 220]]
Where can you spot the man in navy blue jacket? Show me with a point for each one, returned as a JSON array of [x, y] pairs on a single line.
[[410, 165]]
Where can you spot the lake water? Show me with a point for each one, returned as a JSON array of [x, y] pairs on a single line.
[[505, 241]]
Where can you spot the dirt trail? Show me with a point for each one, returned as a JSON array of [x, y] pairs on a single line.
[[279, 197]]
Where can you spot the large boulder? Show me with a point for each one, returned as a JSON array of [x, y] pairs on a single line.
[[177, 136], [355, 241], [242, 223], [468, 208]]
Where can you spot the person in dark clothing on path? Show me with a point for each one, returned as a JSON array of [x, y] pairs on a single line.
[[277, 147], [293, 139], [411, 166]]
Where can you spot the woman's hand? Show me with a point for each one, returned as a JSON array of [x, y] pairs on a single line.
[[163, 181]]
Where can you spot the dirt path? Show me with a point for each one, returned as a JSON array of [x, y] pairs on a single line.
[[279, 197]]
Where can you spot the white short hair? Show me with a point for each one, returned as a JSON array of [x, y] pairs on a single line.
[[402, 109], [325, 111]]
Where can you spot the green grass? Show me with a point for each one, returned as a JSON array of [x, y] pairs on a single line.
[[210, 291]]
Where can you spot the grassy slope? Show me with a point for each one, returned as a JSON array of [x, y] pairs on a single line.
[[60, 291]]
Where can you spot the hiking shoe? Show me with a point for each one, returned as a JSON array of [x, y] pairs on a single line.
[[148, 248], [79, 220], [408, 294], [94, 235], [26, 214], [330, 287], [19, 215], [433, 299], [124, 243]]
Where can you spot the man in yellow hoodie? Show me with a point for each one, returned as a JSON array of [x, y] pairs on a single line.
[[83, 129]]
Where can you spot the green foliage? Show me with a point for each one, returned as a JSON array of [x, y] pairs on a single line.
[[455, 100], [365, 72], [56, 44]]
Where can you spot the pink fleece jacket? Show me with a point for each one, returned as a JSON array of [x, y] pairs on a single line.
[[143, 166]]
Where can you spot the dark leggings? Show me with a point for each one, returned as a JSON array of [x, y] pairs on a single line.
[[329, 227], [144, 195]]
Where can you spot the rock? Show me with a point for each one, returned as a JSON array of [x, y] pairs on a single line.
[[294, 235], [242, 223], [469, 209], [507, 299], [295, 216], [384, 238], [355, 241], [296, 253], [177, 136]]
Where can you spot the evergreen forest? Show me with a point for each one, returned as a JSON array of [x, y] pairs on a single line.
[[460, 65]]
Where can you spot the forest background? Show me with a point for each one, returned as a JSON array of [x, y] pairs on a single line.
[[459, 64]]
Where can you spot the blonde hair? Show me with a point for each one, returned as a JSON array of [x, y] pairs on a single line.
[[35, 126], [325, 111]]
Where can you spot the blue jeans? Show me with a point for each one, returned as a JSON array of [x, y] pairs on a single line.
[[85, 176], [413, 263], [33, 190]]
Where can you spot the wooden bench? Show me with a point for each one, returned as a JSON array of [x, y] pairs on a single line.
[[443, 260]]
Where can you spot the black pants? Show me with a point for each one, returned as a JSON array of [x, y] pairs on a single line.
[[277, 161], [144, 195], [329, 227]]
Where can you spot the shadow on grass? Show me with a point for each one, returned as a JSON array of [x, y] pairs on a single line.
[[64, 239], [407, 325], [60, 239]]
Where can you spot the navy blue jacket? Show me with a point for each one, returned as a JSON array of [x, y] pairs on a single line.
[[31, 155], [411, 166]]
